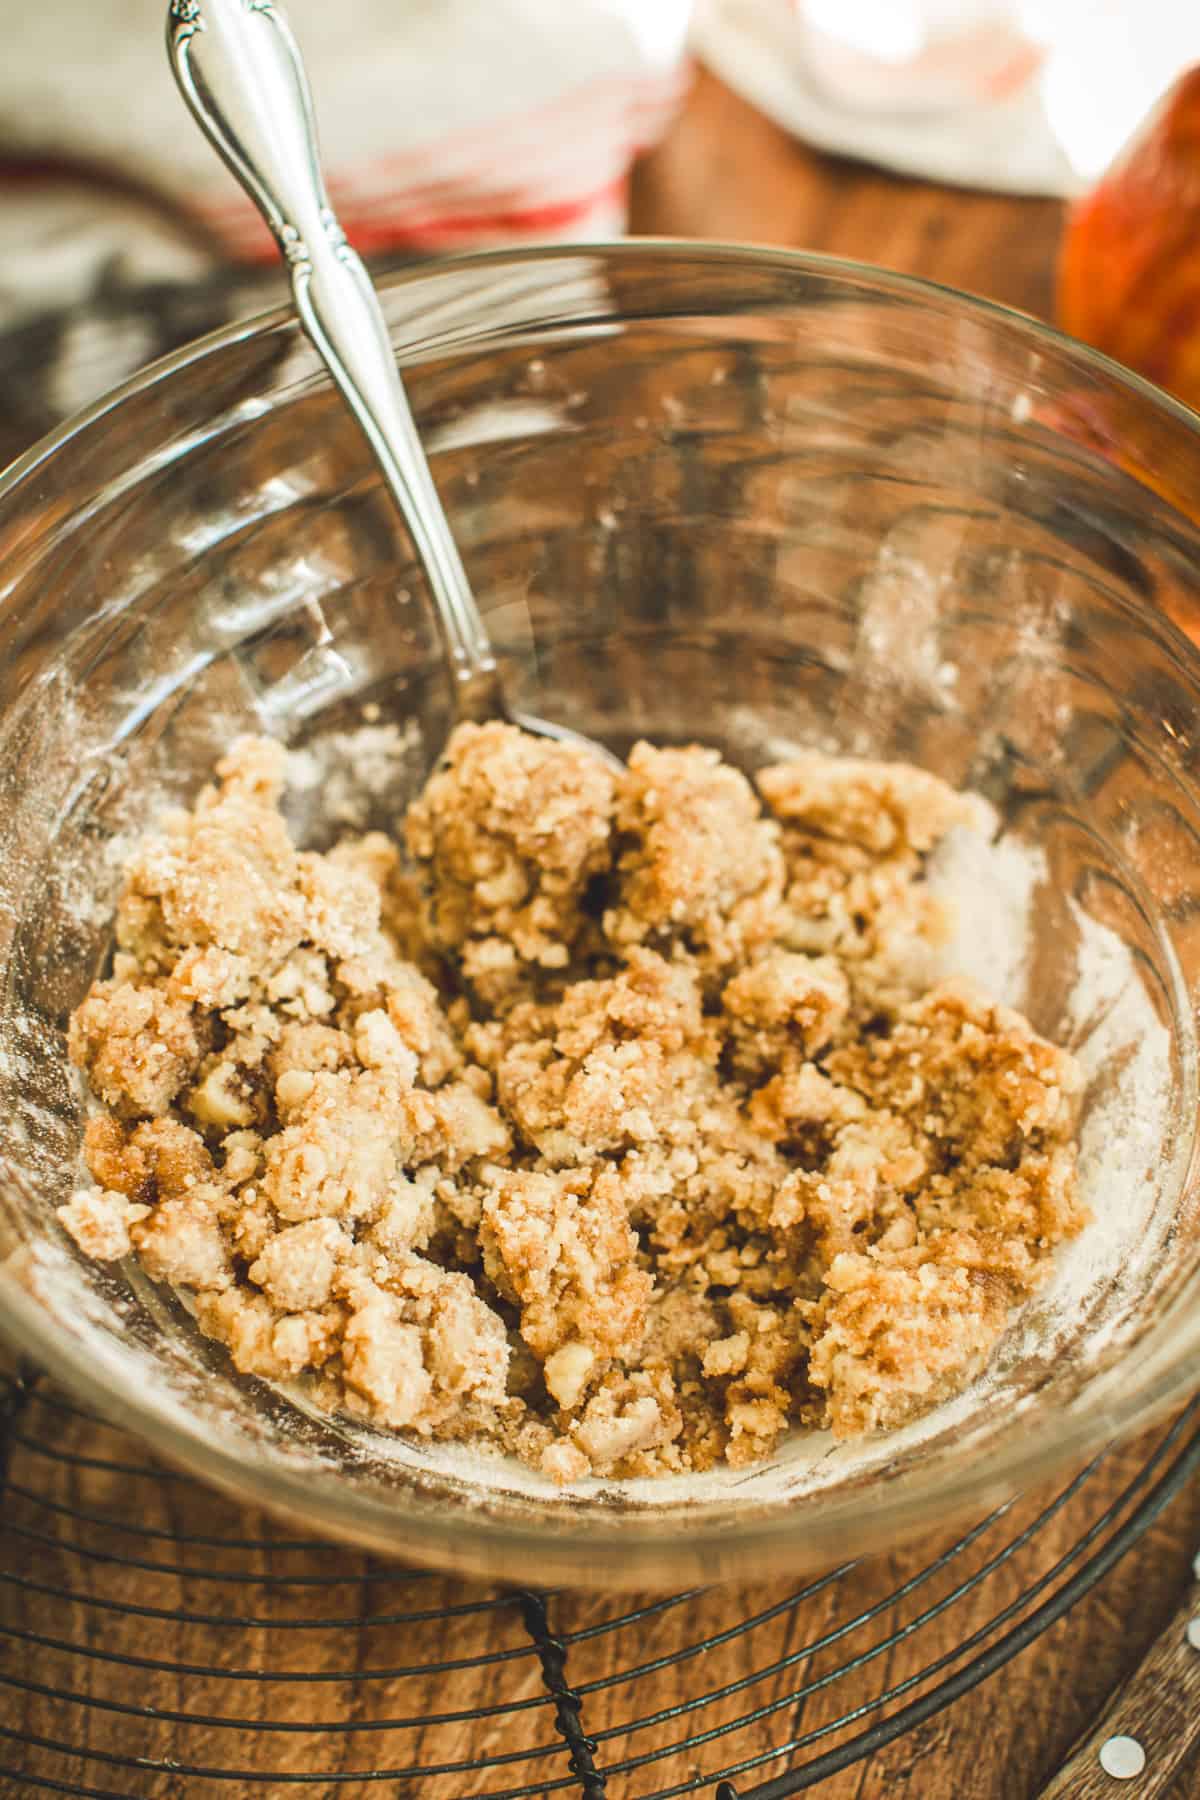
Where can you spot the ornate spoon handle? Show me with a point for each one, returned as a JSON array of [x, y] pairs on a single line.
[[239, 69]]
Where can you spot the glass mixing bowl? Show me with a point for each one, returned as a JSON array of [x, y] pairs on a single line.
[[748, 497]]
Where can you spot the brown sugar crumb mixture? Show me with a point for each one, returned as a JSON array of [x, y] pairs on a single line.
[[611, 1122]]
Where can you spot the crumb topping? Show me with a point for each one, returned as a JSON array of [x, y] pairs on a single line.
[[613, 1120]]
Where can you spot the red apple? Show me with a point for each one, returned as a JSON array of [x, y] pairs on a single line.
[[1129, 272]]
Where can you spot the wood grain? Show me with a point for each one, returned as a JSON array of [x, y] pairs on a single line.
[[135, 1563], [723, 173], [726, 172], [1158, 1706]]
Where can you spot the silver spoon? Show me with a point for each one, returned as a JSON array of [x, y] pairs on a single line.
[[239, 68]]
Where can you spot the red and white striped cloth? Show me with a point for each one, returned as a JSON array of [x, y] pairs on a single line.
[[445, 124]]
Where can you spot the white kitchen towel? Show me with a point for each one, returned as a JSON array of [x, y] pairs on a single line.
[[1046, 91], [445, 124], [764, 50]]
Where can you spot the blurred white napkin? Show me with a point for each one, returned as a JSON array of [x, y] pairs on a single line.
[[1048, 90], [445, 124], [764, 51]]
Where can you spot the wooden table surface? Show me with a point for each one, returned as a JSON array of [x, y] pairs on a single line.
[[727, 173]]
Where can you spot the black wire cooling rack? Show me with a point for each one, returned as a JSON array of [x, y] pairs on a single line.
[[278, 1663]]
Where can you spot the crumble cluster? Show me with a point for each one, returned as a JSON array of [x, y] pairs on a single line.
[[612, 1121]]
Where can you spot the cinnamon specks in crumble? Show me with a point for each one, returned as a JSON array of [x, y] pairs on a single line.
[[616, 1125]]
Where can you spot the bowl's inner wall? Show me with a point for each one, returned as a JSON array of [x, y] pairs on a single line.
[[822, 519]]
